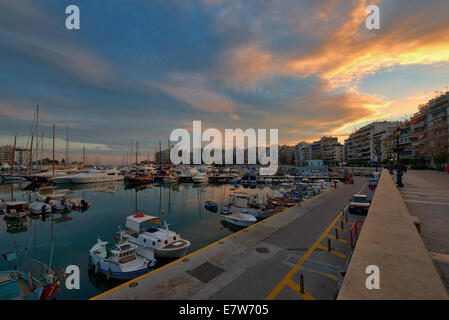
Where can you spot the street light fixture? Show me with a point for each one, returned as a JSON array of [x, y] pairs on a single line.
[[397, 133]]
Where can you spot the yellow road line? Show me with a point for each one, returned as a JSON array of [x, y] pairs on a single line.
[[293, 270], [199, 250], [330, 276], [295, 287], [341, 240], [338, 254]]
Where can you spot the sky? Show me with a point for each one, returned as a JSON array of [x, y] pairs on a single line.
[[137, 69]]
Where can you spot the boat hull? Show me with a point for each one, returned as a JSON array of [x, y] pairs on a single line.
[[239, 221], [171, 253]]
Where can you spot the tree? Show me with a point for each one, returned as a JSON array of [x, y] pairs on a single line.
[[441, 158]]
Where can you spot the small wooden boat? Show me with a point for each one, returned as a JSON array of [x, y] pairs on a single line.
[[211, 206]]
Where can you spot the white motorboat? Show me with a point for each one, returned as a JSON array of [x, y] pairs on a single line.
[[94, 176], [187, 174], [243, 202], [39, 208], [65, 178], [200, 178], [119, 260], [11, 179], [170, 179], [145, 232], [239, 219]]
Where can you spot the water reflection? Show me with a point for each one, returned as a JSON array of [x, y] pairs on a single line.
[[74, 233]]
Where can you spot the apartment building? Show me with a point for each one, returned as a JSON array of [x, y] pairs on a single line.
[[22, 155], [366, 144], [6, 154], [339, 153], [437, 124], [303, 153], [418, 133], [324, 149]]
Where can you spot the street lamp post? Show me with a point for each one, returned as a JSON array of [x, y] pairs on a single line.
[[397, 133]]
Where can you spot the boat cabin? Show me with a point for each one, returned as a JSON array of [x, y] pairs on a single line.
[[16, 206], [122, 253], [242, 199], [153, 236]]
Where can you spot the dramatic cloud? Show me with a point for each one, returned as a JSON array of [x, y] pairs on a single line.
[[138, 69]]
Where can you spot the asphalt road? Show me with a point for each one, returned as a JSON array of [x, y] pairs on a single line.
[[302, 249]]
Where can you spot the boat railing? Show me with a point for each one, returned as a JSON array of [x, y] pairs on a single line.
[[38, 270]]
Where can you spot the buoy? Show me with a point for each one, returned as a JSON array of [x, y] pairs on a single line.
[[162, 211]]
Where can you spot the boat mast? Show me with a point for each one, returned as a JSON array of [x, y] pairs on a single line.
[[160, 154], [37, 131], [84, 156], [42, 148], [14, 154], [30, 166], [137, 150], [67, 145], [53, 149]]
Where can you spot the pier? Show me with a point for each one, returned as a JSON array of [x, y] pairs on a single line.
[[265, 261], [313, 251]]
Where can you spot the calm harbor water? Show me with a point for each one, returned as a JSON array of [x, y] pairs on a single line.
[[182, 206]]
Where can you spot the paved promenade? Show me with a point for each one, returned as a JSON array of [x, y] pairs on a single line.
[[264, 261], [390, 241], [426, 194]]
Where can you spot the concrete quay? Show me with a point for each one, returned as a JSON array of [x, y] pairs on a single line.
[[390, 240], [264, 261]]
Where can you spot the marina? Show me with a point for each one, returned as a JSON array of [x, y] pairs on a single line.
[[109, 206]]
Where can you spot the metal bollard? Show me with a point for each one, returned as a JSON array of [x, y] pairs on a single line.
[[301, 284], [329, 245], [336, 233], [342, 227]]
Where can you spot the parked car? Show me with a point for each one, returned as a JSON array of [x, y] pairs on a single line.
[[359, 204]]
